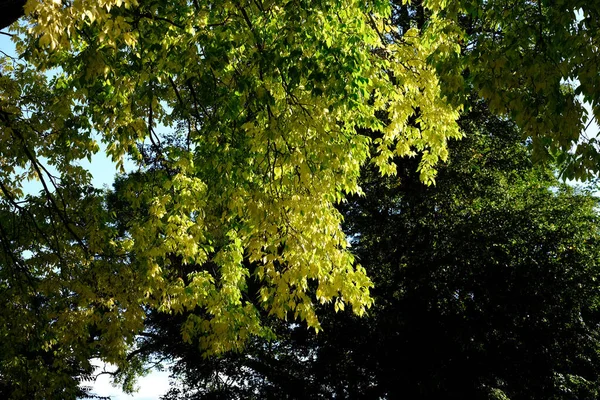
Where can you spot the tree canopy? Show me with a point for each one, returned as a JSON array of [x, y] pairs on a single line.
[[249, 122], [485, 287]]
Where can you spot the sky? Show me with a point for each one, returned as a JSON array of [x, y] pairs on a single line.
[[151, 386]]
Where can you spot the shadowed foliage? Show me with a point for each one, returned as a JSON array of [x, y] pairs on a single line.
[[486, 287]]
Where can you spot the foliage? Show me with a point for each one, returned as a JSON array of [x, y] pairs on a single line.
[[518, 56], [274, 106], [486, 286]]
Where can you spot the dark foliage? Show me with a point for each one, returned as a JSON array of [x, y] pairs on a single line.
[[486, 286]]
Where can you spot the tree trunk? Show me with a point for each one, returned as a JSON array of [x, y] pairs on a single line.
[[10, 11]]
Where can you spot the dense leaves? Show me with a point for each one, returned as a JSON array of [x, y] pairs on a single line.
[[486, 287], [265, 101], [518, 55], [249, 122]]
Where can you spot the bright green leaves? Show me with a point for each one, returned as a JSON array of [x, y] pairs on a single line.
[[421, 120], [250, 121], [535, 62], [271, 110]]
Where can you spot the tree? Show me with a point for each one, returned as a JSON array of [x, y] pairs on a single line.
[[486, 287], [276, 106]]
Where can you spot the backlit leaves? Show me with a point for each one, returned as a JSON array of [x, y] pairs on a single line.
[[275, 105], [249, 121]]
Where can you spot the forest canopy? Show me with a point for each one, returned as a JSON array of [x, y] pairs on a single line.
[[249, 123]]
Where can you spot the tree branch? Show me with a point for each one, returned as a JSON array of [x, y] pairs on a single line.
[[10, 11]]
